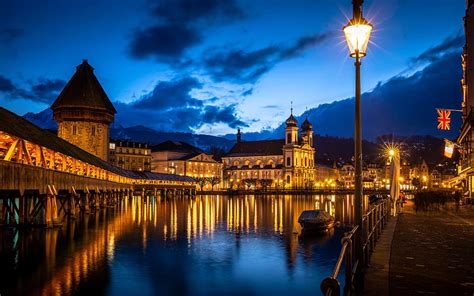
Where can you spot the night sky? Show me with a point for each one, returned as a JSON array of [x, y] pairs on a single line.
[[211, 66]]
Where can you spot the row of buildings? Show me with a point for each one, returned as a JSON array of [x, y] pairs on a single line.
[[84, 112], [284, 163]]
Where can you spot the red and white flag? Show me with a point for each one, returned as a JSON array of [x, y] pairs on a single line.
[[444, 122]]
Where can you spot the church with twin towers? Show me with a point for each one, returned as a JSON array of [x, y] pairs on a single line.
[[282, 163]]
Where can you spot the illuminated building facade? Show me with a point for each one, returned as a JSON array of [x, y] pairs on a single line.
[[130, 155], [180, 158], [285, 163], [326, 176], [466, 137]]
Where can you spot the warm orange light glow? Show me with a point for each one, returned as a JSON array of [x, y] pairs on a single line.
[[357, 33]]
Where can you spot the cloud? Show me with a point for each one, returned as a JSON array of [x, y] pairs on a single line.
[[248, 92], [6, 85], [171, 94], [226, 114], [186, 11], [182, 25], [450, 44], [47, 90], [271, 107], [44, 90], [170, 106], [8, 35], [167, 42], [305, 43], [242, 66]]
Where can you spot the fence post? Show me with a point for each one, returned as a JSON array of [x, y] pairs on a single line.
[[348, 263]]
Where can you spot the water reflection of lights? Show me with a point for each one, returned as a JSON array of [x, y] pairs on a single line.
[[197, 218]]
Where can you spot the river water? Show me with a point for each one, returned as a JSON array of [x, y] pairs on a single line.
[[208, 245]]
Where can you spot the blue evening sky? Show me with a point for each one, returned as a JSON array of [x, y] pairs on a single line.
[[215, 64]]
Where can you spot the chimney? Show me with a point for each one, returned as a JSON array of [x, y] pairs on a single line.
[[238, 136]]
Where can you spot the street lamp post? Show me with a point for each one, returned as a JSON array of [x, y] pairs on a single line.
[[357, 33]]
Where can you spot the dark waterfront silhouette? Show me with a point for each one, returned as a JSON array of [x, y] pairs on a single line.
[[206, 245]]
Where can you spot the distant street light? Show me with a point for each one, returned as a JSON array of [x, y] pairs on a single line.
[[357, 33], [391, 152]]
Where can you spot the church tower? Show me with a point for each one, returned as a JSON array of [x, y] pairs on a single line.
[[291, 130], [84, 112], [307, 132], [291, 142]]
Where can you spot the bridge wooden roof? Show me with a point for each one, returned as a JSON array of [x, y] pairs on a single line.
[[19, 127], [84, 91]]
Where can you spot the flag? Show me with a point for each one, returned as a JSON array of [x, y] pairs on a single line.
[[448, 149], [444, 122]]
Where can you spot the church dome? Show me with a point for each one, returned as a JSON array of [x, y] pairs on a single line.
[[291, 121], [306, 126]]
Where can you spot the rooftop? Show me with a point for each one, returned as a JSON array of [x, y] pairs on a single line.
[[176, 146], [263, 147], [84, 91]]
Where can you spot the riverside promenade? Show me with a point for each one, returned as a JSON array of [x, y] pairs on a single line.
[[424, 253]]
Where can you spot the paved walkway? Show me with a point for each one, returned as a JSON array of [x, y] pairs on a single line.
[[376, 276], [431, 254]]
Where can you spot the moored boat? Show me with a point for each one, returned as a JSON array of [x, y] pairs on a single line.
[[316, 221]]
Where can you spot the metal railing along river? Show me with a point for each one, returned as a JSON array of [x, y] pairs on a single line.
[[374, 221]]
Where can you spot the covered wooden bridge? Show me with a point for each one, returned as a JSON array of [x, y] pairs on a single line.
[[43, 177]]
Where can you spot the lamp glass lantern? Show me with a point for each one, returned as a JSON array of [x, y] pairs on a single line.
[[357, 33]]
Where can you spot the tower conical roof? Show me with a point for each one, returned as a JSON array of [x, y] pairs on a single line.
[[84, 91], [306, 126], [291, 121]]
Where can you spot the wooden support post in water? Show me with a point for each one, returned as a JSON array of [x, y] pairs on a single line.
[[22, 209], [54, 205], [85, 201], [71, 211]]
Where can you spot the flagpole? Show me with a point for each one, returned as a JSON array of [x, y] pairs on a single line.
[[452, 110]]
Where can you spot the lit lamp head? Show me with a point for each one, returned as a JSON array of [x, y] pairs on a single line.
[[357, 33], [391, 152]]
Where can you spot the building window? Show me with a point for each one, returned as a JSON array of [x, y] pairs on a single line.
[[288, 179], [288, 161], [74, 130], [288, 138], [93, 130]]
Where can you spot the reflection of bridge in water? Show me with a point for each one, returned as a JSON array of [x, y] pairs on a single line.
[[44, 177], [78, 254]]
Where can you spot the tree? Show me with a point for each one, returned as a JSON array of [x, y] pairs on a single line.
[[202, 182], [214, 181]]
